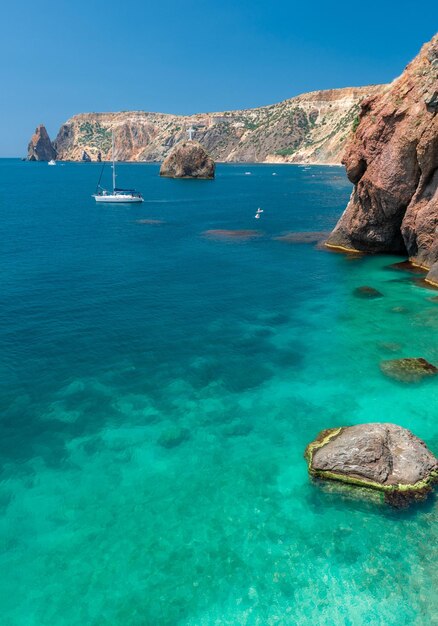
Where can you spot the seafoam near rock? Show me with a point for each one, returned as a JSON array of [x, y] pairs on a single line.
[[380, 456]]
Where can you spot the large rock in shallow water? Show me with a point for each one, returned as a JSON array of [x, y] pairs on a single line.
[[392, 159], [380, 456], [188, 159], [40, 147]]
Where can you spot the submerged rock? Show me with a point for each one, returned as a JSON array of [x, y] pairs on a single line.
[[408, 370], [173, 436], [188, 159], [232, 234], [380, 456], [367, 292], [40, 147], [303, 237]]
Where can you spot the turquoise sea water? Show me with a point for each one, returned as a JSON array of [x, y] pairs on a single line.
[[158, 388]]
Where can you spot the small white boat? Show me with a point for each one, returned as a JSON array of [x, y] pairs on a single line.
[[52, 162], [247, 173], [117, 194], [258, 213]]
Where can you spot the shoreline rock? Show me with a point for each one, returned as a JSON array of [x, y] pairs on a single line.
[[392, 160], [379, 456]]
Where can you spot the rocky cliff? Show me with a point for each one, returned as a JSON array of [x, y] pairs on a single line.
[[312, 128], [188, 159], [40, 147], [392, 159]]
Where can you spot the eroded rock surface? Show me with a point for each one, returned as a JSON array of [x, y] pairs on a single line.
[[378, 455], [188, 159], [40, 147], [312, 128], [392, 159]]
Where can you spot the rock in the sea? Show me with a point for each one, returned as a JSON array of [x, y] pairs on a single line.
[[367, 292], [408, 370], [40, 147], [85, 157], [173, 437], [188, 159], [392, 159], [380, 456]]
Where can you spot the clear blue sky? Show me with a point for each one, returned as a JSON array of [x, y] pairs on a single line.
[[61, 58]]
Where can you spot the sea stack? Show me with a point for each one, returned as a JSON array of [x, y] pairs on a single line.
[[392, 159], [188, 159], [380, 456], [40, 147]]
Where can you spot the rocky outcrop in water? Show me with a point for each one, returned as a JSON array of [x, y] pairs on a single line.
[[392, 160], [312, 128], [188, 159], [408, 370], [40, 147], [379, 456]]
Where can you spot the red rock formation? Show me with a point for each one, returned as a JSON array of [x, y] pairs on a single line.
[[392, 159], [40, 147]]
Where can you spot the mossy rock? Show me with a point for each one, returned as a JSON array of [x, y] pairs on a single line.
[[380, 456], [408, 370]]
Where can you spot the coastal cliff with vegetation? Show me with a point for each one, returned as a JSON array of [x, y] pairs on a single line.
[[392, 159], [310, 128]]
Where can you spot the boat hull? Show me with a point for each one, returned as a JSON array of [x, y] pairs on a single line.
[[120, 199]]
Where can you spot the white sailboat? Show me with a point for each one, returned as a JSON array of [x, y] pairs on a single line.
[[117, 194]]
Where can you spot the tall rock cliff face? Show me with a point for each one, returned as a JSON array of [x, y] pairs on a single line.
[[311, 128], [392, 160], [40, 147]]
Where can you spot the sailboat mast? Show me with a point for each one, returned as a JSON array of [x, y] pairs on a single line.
[[114, 164]]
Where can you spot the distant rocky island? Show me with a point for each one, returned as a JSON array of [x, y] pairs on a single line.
[[310, 128], [392, 159]]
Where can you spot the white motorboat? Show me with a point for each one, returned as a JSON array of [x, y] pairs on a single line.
[[117, 194], [52, 162]]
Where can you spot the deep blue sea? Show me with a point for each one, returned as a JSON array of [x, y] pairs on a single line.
[[159, 384]]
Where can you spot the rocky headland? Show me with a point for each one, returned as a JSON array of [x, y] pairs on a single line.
[[310, 128], [392, 159], [188, 159], [40, 147], [379, 456]]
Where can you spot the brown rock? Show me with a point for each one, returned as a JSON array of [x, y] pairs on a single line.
[[378, 455], [392, 160], [408, 370], [40, 147], [188, 159], [367, 292], [232, 234]]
